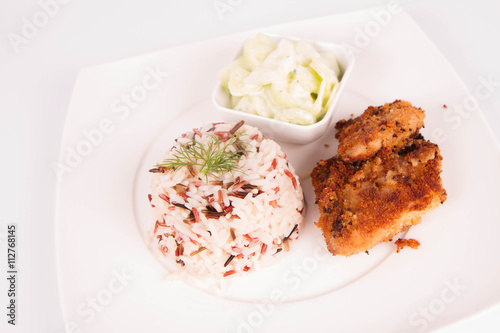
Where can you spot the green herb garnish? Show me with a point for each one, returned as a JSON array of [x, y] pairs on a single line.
[[213, 159]]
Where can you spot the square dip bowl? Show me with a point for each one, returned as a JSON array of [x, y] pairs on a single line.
[[280, 130]]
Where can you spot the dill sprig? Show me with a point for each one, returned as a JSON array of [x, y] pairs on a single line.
[[213, 158]]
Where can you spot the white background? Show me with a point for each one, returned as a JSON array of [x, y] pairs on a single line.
[[37, 78]]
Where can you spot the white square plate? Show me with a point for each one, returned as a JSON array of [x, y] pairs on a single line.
[[123, 115]]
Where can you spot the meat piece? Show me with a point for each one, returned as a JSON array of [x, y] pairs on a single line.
[[367, 202], [391, 126]]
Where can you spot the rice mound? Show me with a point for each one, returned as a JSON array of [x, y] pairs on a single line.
[[230, 223]]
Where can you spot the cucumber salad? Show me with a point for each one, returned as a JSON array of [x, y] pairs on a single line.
[[289, 81]]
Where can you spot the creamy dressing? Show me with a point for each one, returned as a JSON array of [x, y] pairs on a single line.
[[290, 80]]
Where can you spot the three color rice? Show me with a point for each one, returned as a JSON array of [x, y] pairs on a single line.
[[224, 222]]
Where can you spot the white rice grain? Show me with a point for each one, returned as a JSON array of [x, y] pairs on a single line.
[[222, 226]]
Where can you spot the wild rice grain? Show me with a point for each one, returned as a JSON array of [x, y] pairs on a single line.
[[244, 213]]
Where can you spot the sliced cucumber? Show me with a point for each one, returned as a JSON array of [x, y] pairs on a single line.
[[257, 49], [275, 67], [254, 104], [290, 81], [236, 84], [295, 116]]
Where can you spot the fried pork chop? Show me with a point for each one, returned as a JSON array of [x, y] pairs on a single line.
[[391, 126], [370, 201]]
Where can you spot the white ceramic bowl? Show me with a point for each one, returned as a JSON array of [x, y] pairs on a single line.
[[279, 130]]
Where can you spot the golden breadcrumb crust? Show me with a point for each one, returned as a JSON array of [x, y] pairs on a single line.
[[365, 201], [390, 126], [402, 243]]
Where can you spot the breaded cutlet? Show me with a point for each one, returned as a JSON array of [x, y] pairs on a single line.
[[392, 125], [370, 201]]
